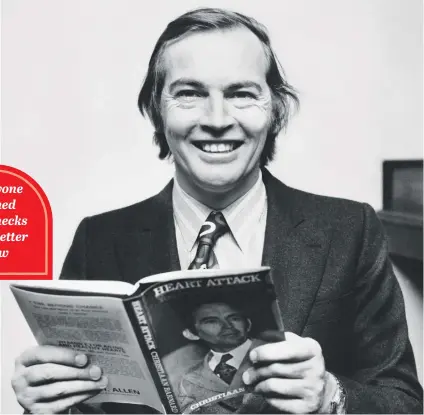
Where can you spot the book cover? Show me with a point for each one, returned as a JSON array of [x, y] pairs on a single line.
[[197, 337]]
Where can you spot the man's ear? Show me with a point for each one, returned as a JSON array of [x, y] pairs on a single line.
[[189, 335], [249, 325]]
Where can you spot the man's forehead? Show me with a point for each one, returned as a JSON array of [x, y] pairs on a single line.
[[216, 56], [214, 308]]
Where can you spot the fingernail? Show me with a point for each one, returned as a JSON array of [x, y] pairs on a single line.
[[246, 377], [81, 359], [103, 382], [95, 372], [253, 356]]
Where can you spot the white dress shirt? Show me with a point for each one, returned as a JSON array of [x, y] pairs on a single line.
[[238, 355], [246, 217]]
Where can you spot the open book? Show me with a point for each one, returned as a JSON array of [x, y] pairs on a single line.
[[152, 339]]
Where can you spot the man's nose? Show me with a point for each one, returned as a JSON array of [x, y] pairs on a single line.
[[216, 119], [226, 324]]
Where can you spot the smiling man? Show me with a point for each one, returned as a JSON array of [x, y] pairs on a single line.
[[216, 123], [217, 99]]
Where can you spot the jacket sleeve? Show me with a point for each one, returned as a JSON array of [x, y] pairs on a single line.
[[385, 377], [75, 265]]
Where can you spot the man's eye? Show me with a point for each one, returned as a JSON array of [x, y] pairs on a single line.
[[242, 95], [188, 94], [210, 321], [236, 318]]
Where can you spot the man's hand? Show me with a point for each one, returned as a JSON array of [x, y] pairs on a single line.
[[291, 375], [52, 379]]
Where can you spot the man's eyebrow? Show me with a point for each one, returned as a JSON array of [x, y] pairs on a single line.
[[235, 315], [196, 84], [207, 318], [185, 82], [244, 84]]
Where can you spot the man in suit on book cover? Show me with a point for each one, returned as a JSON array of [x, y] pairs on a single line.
[[215, 385], [218, 99]]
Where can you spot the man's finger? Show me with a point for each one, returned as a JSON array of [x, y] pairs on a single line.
[[275, 370], [292, 336], [289, 406], [282, 388], [295, 350], [61, 405], [52, 354], [271, 336], [52, 372], [60, 390]]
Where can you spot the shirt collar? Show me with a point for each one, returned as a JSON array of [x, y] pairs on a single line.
[[246, 212], [238, 355], [190, 214], [241, 215]]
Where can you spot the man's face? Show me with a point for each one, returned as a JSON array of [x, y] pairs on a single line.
[[216, 108], [220, 326]]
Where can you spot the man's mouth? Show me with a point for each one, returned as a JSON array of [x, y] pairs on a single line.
[[230, 334], [215, 147]]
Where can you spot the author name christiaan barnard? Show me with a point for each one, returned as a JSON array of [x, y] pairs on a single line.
[[218, 397]]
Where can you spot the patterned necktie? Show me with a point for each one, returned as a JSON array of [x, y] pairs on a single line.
[[214, 227], [225, 371]]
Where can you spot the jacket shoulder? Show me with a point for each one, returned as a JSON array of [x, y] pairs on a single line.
[[124, 213], [143, 213], [327, 204], [339, 216], [312, 205]]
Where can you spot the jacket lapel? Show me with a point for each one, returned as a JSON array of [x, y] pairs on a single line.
[[296, 251], [162, 239], [149, 244], [206, 379], [244, 365], [250, 403]]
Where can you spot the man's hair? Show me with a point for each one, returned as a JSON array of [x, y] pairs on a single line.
[[204, 20], [187, 309]]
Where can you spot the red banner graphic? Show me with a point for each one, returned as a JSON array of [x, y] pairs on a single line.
[[26, 232]]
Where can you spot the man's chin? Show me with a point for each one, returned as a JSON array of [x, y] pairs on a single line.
[[233, 342], [218, 183]]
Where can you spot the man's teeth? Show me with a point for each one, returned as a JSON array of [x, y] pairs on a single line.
[[218, 148]]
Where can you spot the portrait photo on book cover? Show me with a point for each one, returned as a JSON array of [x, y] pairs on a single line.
[[204, 339], [228, 135]]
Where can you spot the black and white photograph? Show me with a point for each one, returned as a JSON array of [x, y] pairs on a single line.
[[225, 136]]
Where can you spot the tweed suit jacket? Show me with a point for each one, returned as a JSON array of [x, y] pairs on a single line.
[[330, 266], [200, 383]]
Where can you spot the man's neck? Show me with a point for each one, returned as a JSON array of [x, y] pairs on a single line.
[[238, 355], [218, 199], [233, 350]]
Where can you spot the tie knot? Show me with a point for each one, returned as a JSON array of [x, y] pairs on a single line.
[[214, 227], [218, 218], [226, 357]]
